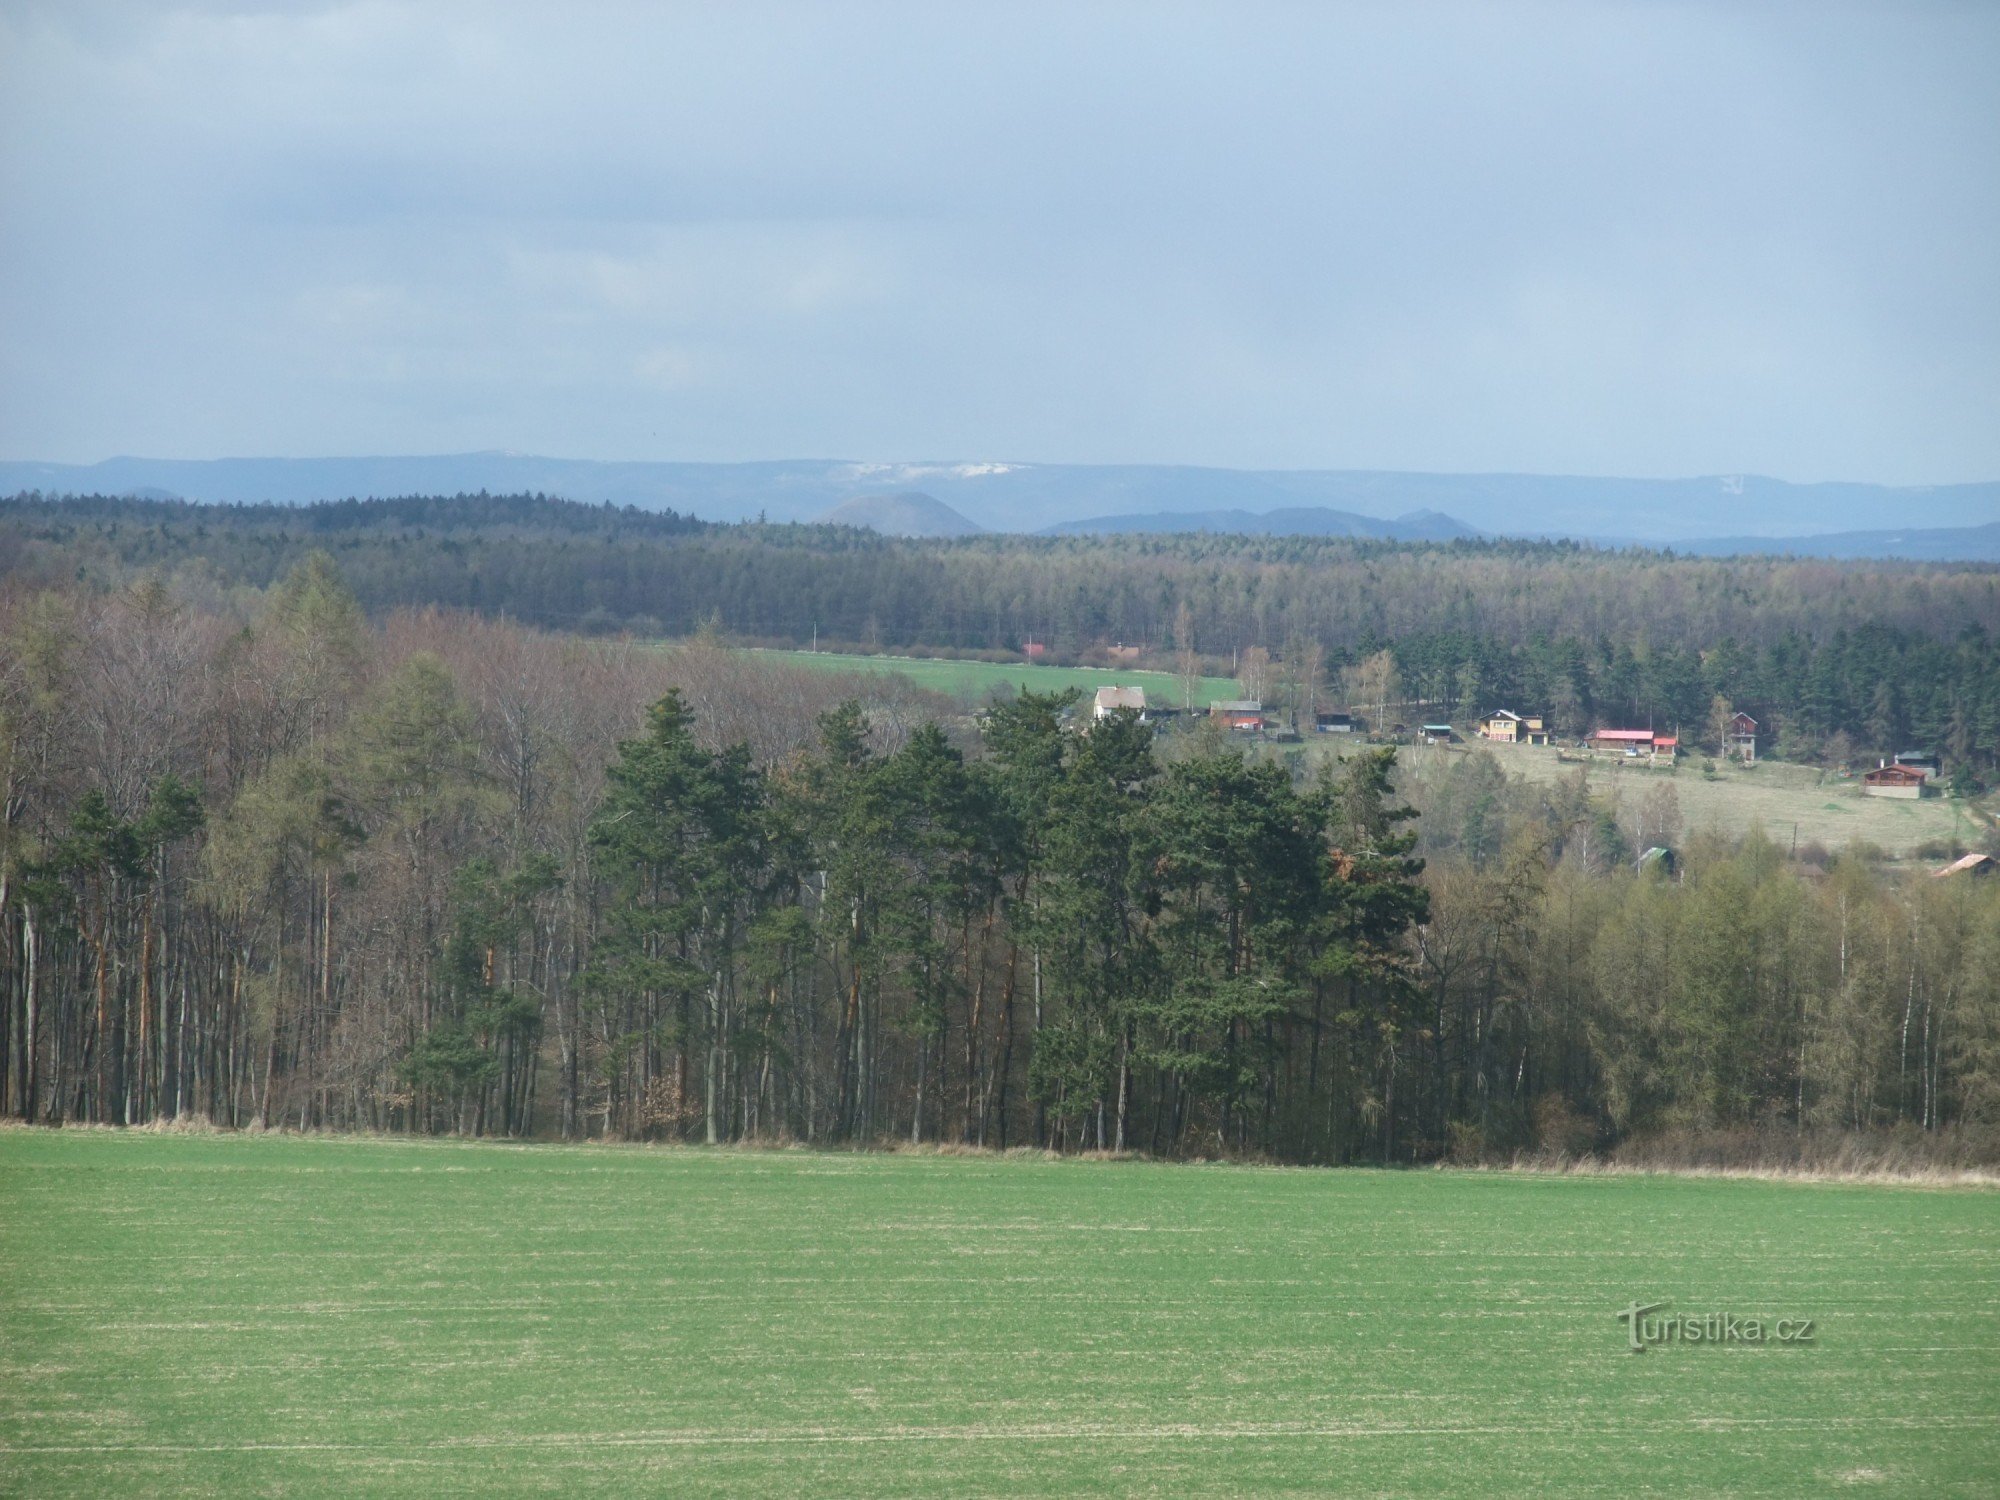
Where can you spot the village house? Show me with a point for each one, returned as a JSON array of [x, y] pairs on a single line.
[[1111, 699], [1894, 781], [1741, 739], [1242, 715], [1510, 728]]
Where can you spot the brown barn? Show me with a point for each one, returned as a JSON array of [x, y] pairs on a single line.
[[1245, 715], [1894, 781]]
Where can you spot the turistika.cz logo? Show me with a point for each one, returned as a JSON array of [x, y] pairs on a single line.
[[1645, 1330]]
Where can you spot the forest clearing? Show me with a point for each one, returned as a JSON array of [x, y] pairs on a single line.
[[211, 1313]]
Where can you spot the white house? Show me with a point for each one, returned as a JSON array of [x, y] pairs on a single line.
[[1112, 699]]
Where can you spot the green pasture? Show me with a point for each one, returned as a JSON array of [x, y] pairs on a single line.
[[244, 1315], [977, 679]]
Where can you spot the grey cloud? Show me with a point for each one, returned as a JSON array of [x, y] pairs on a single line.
[[1656, 239]]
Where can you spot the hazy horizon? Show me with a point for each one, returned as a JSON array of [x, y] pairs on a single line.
[[1649, 241]]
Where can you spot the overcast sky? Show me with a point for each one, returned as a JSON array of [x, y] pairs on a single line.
[[1644, 239]]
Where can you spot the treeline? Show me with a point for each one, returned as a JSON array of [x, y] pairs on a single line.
[[269, 862], [1834, 659], [1872, 690]]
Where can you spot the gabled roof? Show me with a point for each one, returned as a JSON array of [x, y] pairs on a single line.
[[1110, 699], [1897, 773], [1236, 706], [1971, 864], [1504, 713]]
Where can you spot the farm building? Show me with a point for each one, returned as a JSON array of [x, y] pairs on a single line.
[[1435, 734], [1245, 715], [1972, 864], [1741, 740], [1111, 699], [1327, 723], [1894, 781], [1636, 742], [1511, 728]]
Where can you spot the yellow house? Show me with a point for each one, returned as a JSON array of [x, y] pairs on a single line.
[[1514, 729]]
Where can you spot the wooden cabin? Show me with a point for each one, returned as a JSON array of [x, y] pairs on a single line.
[[1894, 781]]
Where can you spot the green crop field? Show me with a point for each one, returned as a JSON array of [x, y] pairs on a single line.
[[213, 1314], [976, 679]]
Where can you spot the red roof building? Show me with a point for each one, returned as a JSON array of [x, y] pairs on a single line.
[[1636, 742]]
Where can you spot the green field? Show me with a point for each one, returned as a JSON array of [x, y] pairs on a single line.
[[1784, 799], [280, 1315], [976, 679]]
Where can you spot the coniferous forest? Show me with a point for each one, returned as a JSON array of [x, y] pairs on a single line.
[[1835, 659], [305, 821]]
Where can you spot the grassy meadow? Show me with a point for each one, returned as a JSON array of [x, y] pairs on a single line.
[[977, 679], [216, 1314], [1781, 797]]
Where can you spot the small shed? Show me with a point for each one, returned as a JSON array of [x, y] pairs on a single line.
[[1327, 723], [1436, 734]]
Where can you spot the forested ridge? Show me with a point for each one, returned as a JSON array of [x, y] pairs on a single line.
[[1836, 660], [264, 858]]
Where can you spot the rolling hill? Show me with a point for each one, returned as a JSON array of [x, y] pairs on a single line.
[[904, 513], [1417, 526], [1017, 497]]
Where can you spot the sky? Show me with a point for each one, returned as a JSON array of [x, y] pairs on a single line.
[[1643, 239]]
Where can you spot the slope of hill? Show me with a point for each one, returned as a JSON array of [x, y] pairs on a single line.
[[1917, 544], [1417, 526], [904, 513]]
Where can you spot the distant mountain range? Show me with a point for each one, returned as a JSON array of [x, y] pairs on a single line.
[[1417, 526], [1684, 513], [1922, 544]]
